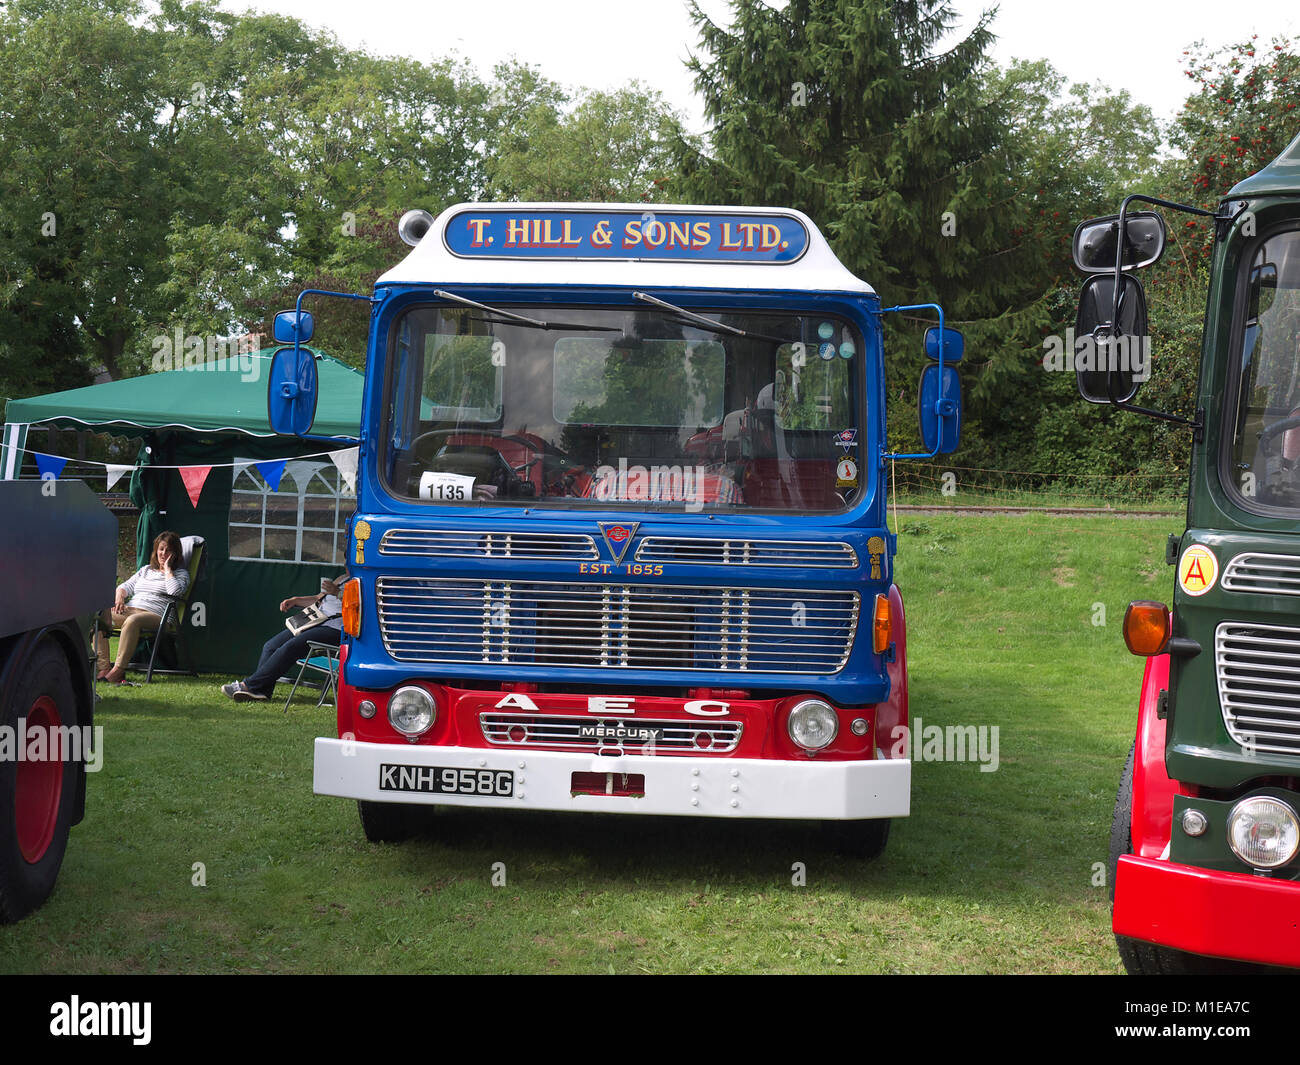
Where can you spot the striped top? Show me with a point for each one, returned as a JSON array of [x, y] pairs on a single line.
[[149, 589]]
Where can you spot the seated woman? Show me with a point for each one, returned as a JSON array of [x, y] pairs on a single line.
[[140, 603]]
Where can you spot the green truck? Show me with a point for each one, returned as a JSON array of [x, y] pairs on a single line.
[[1205, 849]]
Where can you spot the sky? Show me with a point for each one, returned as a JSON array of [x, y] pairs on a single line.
[[1127, 44]]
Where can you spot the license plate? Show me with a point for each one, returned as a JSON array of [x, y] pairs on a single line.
[[445, 780]]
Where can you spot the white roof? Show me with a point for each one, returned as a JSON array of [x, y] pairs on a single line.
[[816, 270]]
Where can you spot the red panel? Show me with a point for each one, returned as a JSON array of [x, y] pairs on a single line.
[[1203, 911], [793, 484], [892, 714], [763, 734], [1153, 791], [344, 697], [608, 784]]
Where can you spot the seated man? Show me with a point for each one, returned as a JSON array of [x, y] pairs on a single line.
[[282, 650]]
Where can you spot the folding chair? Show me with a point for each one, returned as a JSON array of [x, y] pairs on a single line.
[[321, 658]]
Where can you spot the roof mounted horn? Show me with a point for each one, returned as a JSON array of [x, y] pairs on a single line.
[[413, 226]]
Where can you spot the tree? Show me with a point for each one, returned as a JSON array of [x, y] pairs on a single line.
[[611, 147], [845, 110], [1243, 113]]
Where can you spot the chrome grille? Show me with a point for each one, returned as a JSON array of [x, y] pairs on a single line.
[[1258, 670], [558, 730], [616, 626], [429, 543], [1263, 574], [808, 553]]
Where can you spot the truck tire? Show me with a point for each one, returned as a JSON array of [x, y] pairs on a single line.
[[391, 822], [864, 840], [37, 797], [1148, 959]]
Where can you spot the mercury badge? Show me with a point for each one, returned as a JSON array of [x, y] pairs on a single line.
[[362, 533], [875, 548]]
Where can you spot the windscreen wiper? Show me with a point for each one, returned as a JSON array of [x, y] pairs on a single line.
[[511, 316], [708, 323]]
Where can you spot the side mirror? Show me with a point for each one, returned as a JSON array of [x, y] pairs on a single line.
[[939, 408], [1263, 289], [294, 327], [954, 344], [1095, 242], [1111, 363], [292, 391]]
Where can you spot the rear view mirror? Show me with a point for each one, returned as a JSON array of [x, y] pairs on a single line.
[[293, 327], [292, 391], [939, 408], [1095, 242], [1263, 289], [954, 344], [1111, 363]]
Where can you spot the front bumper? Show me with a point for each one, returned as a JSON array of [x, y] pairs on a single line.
[[1205, 911], [700, 787]]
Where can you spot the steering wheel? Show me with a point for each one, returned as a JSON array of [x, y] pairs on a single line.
[[415, 445], [1265, 435]]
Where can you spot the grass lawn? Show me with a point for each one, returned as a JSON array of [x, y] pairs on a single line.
[[993, 872]]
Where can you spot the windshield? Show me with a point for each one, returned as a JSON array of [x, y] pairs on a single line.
[[630, 408], [1266, 440]]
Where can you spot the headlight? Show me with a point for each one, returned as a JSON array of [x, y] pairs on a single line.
[[1263, 832], [412, 711], [812, 724]]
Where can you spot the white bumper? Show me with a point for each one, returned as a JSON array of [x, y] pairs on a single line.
[[704, 787]]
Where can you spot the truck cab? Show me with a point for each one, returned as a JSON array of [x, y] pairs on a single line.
[[620, 540], [1206, 849]]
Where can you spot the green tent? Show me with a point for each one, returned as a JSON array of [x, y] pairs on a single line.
[[272, 510]]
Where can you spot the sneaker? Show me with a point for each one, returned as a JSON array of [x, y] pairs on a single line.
[[240, 692]]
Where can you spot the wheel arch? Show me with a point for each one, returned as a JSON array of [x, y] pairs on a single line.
[[1153, 791], [892, 714], [16, 651]]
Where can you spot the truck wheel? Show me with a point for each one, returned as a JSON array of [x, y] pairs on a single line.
[[391, 822], [1148, 959], [36, 798], [864, 840]]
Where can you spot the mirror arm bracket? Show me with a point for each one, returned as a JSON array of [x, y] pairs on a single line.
[[297, 342], [1120, 242], [1197, 422]]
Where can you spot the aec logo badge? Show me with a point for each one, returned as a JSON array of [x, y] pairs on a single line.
[[618, 538]]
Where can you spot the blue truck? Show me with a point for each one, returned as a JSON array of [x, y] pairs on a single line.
[[620, 541]]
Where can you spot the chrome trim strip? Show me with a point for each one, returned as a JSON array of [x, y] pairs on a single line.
[[434, 543], [683, 550], [1260, 702], [1263, 574], [628, 626], [561, 730]]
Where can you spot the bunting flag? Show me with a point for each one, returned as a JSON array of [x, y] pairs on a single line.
[[49, 465], [194, 478], [272, 472], [114, 474], [346, 461]]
